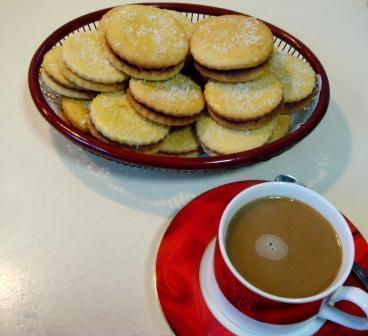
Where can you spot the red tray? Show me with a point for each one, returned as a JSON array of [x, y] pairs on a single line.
[[283, 40]]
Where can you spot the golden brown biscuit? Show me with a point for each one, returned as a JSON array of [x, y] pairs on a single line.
[[89, 85], [140, 73], [158, 117], [231, 42], [52, 62], [147, 149], [252, 124], [244, 102], [113, 117], [297, 76], [76, 112], [85, 55], [64, 91], [181, 142], [217, 139], [233, 76], [147, 37], [177, 97]]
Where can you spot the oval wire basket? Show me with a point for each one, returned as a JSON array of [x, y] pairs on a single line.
[[303, 122]]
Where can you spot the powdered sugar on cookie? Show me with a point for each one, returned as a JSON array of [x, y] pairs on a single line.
[[297, 77]]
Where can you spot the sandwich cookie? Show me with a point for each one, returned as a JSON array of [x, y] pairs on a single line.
[[232, 76], [85, 63], [55, 80], [89, 85], [134, 71], [113, 118], [63, 90], [298, 80], [174, 102], [231, 48], [140, 73], [75, 112], [182, 142], [244, 105], [147, 40], [216, 139], [52, 63]]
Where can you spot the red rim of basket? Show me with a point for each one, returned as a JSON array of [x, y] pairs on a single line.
[[201, 163]]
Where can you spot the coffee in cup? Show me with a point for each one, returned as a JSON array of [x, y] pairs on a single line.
[[283, 247]]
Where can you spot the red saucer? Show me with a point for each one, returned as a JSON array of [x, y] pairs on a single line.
[[179, 257]]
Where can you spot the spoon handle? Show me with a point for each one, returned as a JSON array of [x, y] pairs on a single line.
[[361, 274]]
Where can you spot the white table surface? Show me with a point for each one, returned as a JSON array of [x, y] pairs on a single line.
[[78, 234]]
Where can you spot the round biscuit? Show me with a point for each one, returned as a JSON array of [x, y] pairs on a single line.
[[113, 116], [222, 140], [148, 74], [52, 62], [231, 42], [252, 124], [84, 53], [147, 37], [76, 111], [89, 85], [297, 76], [63, 91], [148, 149], [241, 102], [159, 117], [180, 141], [178, 97], [233, 76]]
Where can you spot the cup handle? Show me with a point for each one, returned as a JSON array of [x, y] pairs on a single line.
[[354, 295]]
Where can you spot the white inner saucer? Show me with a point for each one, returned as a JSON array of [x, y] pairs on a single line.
[[235, 321]]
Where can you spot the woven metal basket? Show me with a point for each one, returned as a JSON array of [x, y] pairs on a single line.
[[303, 122]]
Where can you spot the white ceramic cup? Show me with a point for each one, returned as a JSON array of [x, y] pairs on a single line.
[[233, 282]]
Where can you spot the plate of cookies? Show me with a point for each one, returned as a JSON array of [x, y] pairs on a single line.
[[178, 86]]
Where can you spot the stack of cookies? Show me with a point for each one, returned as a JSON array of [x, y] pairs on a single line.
[[123, 83], [249, 84], [81, 68], [231, 48], [114, 120], [146, 42], [242, 97]]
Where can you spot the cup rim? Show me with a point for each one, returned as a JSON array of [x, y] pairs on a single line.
[[225, 220]]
